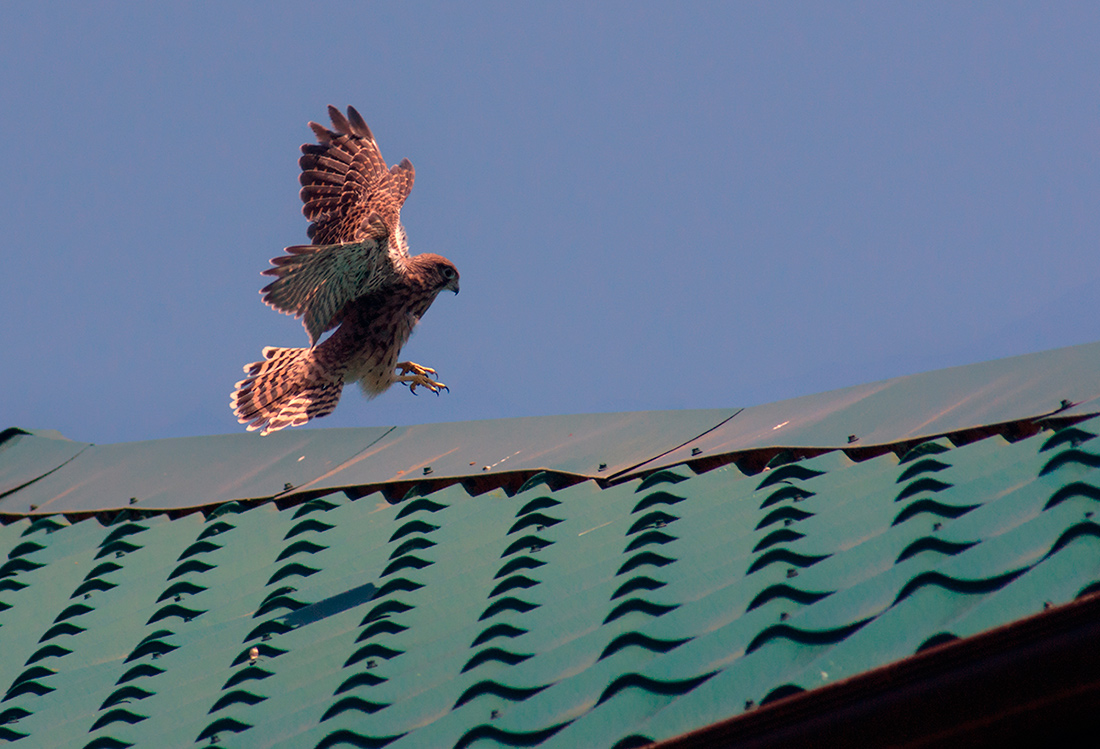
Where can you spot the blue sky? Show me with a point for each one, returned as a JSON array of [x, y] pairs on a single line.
[[653, 205]]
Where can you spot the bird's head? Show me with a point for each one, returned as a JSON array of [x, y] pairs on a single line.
[[439, 272]]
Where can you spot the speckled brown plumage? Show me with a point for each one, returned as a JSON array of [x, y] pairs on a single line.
[[358, 277]]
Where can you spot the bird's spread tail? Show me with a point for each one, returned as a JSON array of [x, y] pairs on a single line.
[[288, 388]]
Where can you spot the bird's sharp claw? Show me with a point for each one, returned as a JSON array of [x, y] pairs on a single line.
[[415, 375], [405, 367]]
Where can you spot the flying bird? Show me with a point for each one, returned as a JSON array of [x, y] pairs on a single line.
[[356, 276]]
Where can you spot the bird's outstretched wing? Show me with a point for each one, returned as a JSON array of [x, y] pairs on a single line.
[[354, 203], [348, 193]]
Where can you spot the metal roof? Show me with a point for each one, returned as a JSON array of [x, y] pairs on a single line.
[[47, 476], [583, 445], [185, 472], [595, 613], [1032, 682], [914, 407], [26, 456]]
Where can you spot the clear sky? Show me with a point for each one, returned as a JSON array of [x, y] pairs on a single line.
[[652, 205]]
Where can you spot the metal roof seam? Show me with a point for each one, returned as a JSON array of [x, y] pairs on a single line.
[[41, 476]]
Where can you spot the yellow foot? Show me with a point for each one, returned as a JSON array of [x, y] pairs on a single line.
[[420, 377]]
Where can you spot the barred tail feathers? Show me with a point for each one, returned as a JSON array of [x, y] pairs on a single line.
[[288, 388]]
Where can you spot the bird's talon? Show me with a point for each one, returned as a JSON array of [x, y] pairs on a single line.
[[405, 367], [419, 378]]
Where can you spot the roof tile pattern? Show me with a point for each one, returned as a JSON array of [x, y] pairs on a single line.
[[559, 618]]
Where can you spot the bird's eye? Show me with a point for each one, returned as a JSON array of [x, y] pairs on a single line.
[[448, 273]]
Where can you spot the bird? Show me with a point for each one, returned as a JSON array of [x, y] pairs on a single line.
[[356, 276]]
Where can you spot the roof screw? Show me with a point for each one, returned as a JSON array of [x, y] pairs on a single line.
[[784, 616], [792, 572], [178, 598], [287, 486], [87, 596], [427, 470], [119, 554], [749, 704], [1088, 514], [494, 715], [485, 468], [371, 663], [1048, 605], [133, 500], [1065, 404], [602, 467], [696, 451], [787, 522], [937, 526], [34, 507], [266, 637], [852, 438]]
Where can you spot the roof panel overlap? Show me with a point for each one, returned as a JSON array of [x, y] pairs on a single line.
[[26, 457], [578, 444], [189, 471], [60, 476], [914, 407]]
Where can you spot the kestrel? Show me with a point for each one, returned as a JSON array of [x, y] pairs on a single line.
[[357, 276]]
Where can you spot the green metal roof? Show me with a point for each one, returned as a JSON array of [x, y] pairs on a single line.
[[50, 475], [914, 407], [27, 456], [600, 613]]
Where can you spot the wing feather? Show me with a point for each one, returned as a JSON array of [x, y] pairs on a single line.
[[316, 282], [347, 157], [358, 124], [318, 175], [353, 202], [402, 176], [321, 154], [320, 189]]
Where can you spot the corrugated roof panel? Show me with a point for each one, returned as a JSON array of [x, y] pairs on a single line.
[[189, 471], [912, 407], [1054, 580], [35, 585], [67, 634], [12, 535], [981, 584], [959, 600]]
